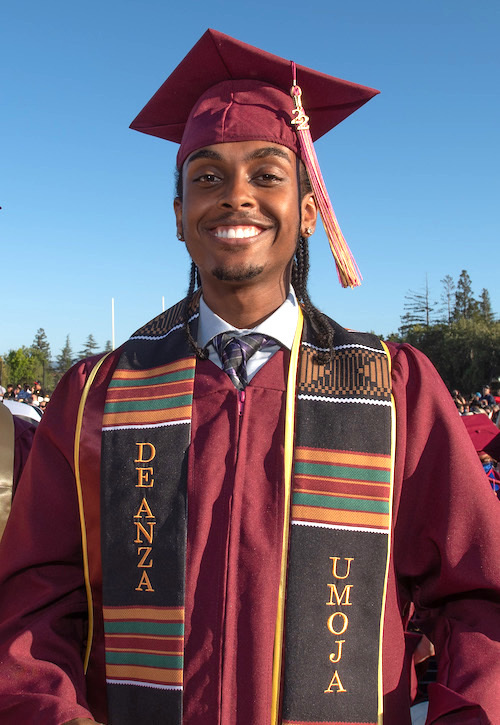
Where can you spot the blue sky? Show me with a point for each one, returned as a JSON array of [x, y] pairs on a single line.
[[87, 203]]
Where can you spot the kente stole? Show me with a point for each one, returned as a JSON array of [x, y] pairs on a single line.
[[339, 534]]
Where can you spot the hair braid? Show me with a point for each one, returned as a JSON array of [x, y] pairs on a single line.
[[319, 321], [194, 282]]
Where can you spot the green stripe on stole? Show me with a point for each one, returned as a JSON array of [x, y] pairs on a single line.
[[339, 540], [150, 404], [341, 472], [143, 492], [337, 502], [157, 380], [338, 546]]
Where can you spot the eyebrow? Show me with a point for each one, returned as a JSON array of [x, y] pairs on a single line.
[[267, 151], [257, 154], [205, 154]]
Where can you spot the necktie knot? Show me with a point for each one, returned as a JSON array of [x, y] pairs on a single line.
[[235, 352]]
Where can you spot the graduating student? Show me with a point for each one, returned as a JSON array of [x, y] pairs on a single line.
[[224, 521]]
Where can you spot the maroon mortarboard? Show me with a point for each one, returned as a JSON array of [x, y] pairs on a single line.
[[225, 90], [484, 434]]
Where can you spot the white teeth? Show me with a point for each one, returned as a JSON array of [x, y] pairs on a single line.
[[236, 232]]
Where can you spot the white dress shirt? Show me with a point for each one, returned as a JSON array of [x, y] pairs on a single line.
[[281, 326]]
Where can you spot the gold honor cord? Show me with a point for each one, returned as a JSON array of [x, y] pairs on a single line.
[[288, 460], [380, 718], [86, 574]]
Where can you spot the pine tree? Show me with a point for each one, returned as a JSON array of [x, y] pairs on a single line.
[[40, 345], [90, 347], [108, 347], [41, 351], [419, 309], [485, 309], [447, 298], [465, 304], [65, 359]]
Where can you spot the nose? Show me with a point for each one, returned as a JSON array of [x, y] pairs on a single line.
[[237, 193]]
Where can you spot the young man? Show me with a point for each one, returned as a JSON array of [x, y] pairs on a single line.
[[252, 533]]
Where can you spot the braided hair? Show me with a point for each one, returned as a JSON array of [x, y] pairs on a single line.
[[300, 271], [319, 322]]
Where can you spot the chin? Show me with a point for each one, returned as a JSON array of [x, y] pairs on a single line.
[[237, 274]]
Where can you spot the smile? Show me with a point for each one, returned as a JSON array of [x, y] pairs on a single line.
[[237, 232]]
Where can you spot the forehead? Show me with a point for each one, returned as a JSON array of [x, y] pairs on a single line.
[[243, 152]]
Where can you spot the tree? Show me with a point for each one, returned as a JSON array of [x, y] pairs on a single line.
[[447, 297], [21, 364], [465, 345], [474, 353], [485, 309], [108, 347], [465, 304], [90, 347], [64, 360], [41, 350], [419, 310], [466, 353], [40, 345]]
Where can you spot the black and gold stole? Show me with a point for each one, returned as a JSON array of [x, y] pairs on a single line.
[[146, 434], [330, 671], [341, 504]]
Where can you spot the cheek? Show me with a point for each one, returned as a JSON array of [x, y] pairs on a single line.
[[291, 221], [292, 210], [194, 208]]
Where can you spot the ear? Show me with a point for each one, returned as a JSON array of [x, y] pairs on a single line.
[[178, 218], [309, 212]]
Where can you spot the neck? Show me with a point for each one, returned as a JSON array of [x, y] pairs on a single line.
[[245, 306]]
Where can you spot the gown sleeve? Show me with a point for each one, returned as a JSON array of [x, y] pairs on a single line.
[[43, 609], [445, 558], [446, 544]]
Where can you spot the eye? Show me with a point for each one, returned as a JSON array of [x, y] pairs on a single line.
[[207, 179], [268, 178]]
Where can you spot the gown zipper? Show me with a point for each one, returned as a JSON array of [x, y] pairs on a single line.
[[241, 402]]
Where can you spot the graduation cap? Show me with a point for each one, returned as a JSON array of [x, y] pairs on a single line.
[[225, 90], [484, 434]]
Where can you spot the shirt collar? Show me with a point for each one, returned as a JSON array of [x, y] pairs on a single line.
[[281, 325]]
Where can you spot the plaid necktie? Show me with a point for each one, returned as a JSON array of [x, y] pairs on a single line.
[[235, 352]]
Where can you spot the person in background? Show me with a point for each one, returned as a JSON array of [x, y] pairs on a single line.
[[38, 393], [487, 396], [25, 395], [9, 393], [485, 437]]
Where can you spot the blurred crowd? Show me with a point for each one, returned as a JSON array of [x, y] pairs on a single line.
[[16, 397], [481, 415], [483, 402]]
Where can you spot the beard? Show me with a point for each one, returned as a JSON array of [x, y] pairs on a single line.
[[237, 273]]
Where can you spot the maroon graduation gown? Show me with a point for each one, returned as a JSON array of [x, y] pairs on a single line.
[[444, 557]]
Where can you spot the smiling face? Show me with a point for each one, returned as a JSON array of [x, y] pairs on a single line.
[[241, 216]]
